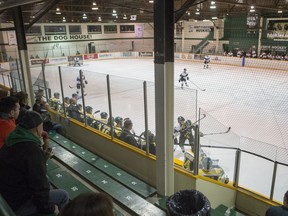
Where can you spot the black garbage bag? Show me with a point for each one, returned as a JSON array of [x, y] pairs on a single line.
[[188, 203]]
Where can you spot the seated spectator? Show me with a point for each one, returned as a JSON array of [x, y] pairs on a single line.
[[23, 101], [89, 204], [279, 210], [24, 183], [66, 103], [127, 135], [9, 112], [48, 125], [230, 53]]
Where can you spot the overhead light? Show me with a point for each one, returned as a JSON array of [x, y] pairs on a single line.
[[114, 11], [151, 1], [125, 17], [58, 12], [252, 10], [197, 12], [114, 14], [197, 9], [252, 7], [84, 16], [99, 18], [205, 20], [94, 3], [212, 2], [214, 18], [94, 8], [64, 19], [188, 13], [212, 6], [280, 11], [57, 9]]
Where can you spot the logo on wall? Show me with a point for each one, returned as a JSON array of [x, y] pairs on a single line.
[[12, 40]]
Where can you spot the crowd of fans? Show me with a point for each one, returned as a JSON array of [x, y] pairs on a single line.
[[251, 53]]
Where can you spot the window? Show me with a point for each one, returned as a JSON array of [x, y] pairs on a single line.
[[110, 29], [75, 29], [34, 30], [55, 30], [94, 29], [127, 28]]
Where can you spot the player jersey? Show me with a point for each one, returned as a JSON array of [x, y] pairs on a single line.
[[206, 59], [184, 75]]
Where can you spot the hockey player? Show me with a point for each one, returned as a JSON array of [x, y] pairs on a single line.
[[76, 61], [184, 76], [78, 85], [206, 61]]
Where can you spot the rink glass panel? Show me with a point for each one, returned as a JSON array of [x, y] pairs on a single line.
[[217, 143], [127, 101]]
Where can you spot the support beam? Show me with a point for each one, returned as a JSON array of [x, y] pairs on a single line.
[[180, 12]]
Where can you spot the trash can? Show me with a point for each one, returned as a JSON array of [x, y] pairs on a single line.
[[188, 203]]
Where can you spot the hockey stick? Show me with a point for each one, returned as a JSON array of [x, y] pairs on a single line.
[[97, 111], [218, 132], [197, 86]]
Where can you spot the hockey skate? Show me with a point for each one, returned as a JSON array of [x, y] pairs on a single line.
[[186, 85]]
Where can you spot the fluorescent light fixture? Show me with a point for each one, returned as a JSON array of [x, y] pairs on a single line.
[[214, 18], [197, 12], [114, 14], [99, 19], [125, 17], [94, 3], [252, 10], [84, 16], [57, 9], [252, 7], [94, 8], [197, 9], [151, 1], [280, 11], [114, 11], [212, 6], [58, 12], [188, 13], [212, 2]]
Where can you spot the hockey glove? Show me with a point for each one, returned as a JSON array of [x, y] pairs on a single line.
[[86, 82], [179, 80]]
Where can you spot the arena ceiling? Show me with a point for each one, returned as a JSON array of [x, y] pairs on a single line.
[[80, 11]]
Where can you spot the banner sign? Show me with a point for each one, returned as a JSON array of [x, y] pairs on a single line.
[[90, 56], [277, 28]]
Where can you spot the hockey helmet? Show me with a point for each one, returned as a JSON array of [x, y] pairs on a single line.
[[56, 94], [89, 109], [185, 69], [103, 115], [118, 119], [181, 119]]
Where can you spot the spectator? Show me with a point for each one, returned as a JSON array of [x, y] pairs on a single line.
[[89, 115], [23, 101], [89, 204], [23, 183], [48, 125], [9, 112], [279, 210], [151, 139], [126, 135]]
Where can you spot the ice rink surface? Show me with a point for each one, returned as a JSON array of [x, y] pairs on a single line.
[[253, 102]]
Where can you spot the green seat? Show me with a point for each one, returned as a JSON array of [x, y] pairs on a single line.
[[136, 204], [135, 184]]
